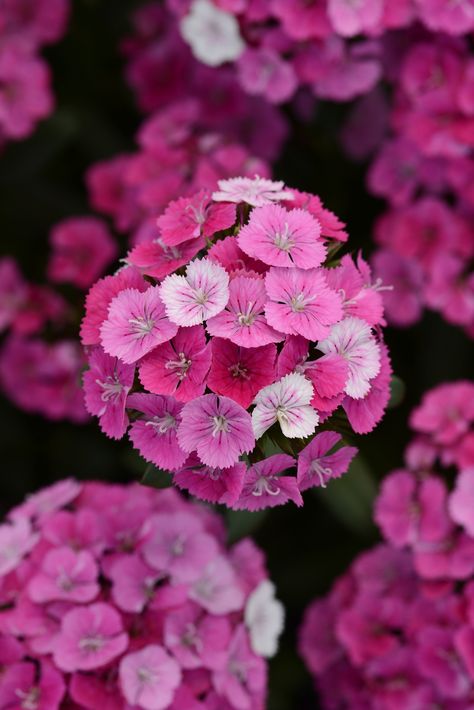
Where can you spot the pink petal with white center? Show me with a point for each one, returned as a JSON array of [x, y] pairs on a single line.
[[279, 237], [242, 321], [316, 465], [179, 367], [214, 485], [217, 428], [201, 294], [301, 303], [353, 339], [239, 373], [286, 402], [155, 258], [154, 432], [265, 487], [255, 191], [136, 323], [195, 216]]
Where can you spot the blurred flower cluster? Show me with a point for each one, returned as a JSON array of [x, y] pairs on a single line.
[[397, 630], [121, 597]]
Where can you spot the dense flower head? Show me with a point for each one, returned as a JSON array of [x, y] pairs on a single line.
[[113, 596], [244, 347]]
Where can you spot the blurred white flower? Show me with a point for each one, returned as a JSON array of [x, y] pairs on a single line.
[[212, 34], [264, 617]]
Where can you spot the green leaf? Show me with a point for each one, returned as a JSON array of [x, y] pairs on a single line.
[[397, 392], [351, 498], [156, 477], [241, 523]]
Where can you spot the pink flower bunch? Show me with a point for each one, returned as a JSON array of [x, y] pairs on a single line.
[[230, 336], [124, 598], [25, 83], [397, 630]]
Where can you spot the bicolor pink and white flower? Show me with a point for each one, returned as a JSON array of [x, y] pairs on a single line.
[[288, 403], [256, 191]]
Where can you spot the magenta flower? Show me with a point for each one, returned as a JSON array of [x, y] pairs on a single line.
[[106, 386], [301, 303], [461, 501], [154, 433], [239, 372], [192, 217], [133, 583], [352, 18], [179, 367], [288, 403], [265, 487], [201, 294], [228, 254], [217, 428], [28, 686], [263, 72], [215, 485], [255, 191], [317, 465], [242, 321], [279, 237], [154, 258], [149, 678], [89, 638], [65, 575]]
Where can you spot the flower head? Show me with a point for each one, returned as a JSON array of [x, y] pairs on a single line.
[[149, 678], [255, 191], [192, 217], [288, 403], [265, 487], [318, 463], [214, 485], [264, 617]]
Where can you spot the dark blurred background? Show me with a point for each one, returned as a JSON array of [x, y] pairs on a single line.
[[41, 181]]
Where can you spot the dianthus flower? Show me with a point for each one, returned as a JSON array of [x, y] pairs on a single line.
[[140, 603], [247, 349]]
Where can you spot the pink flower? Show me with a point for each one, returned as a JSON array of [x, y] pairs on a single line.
[[155, 258], [16, 540], [154, 433], [215, 485], [317, 465], [228, 254], [262, 72], [455, 18], [360, 298], [239, 372], [217, 589], [106, 385], [352, 17], [192, 217], [255, 191], [461, 501], [302, 20], [217, 428], [149, 678], [242, 321], [286, 402], [404, 303], [331, 226], [301, 303], [445, 412], [26, 685], [90, 637], [201, 294], [179, 367], [82, 247], [65, 575], [133, 583], [352, 338], [136, 323], [44, 503], [265, 487], [281, 237]]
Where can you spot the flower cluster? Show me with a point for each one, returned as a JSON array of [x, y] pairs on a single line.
[[397, 630], [25, 85], [246, 334], [117, 597]]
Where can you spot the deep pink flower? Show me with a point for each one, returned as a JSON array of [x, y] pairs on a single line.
[[154, 433], [302, 20], [192, 217], [197, 639], [154, 258], [16, 540], [149, 678], [436, 659], [445, 412], [317, 465], [135, 324], [215, 485], [288, 403], [281, 237], [106, 384], [360, 298], [65, 575], [265, 487], [255, 191], [228, 254], [453, 18], [301, 303], [217, 428], [350, 18], [262, 72], [179, 367], [25, 685], [239, 372], [331, 226], [242, 321], [461, 501]]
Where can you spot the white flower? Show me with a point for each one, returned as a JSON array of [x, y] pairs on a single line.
[[287, 402], [264, 617], [255, 191], [212, 34]]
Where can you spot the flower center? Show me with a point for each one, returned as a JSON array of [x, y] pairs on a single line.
[[145, 675], [162, 424], [266, 485], [180, 366], [141, 326], [299, 302], [111, 387], [190, 638], [283, 240], [220, 424], [248, 317], [29, 700], [200, 296], [238, 370], [91, 643], [321, 471]]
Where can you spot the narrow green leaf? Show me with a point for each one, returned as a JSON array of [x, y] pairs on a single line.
[[156, 477], [241, 523]]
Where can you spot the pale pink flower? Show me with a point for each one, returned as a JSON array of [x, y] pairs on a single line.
[[238, 372], [217, 428], [288, 403], [461, 501], [318, 463], [65, 575], [265, 487], [149, 678], [90, 637], [179, 367], [242, 681], [154, 433], [106, 385], [218, 589], [201, 294], [133, 583], [192, 217], [17, 539], [242, 321], [353, 339], [42, 504], [136, 323], [352, 17], [255, 191], [214, 485], [301, 303], [281, 237]]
